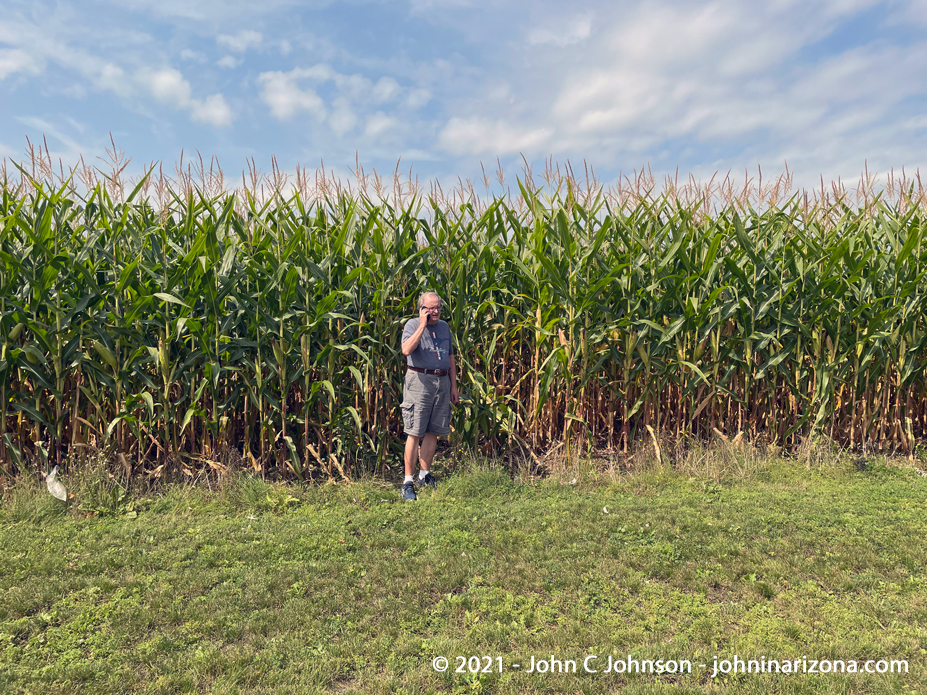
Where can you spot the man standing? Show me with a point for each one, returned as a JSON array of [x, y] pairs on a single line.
[[429, 389]]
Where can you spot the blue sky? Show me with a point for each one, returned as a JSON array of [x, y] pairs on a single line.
[[449, 84]]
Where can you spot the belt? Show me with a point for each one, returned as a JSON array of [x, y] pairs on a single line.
[[436, 372]]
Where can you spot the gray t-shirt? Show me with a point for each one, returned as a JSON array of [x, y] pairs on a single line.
[[434, 349]]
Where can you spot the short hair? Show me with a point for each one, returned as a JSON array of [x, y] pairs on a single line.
[[421, 299]]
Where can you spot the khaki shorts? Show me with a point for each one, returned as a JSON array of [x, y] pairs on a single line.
[[426, 404]]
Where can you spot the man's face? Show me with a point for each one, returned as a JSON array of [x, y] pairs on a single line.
[[433, 307]]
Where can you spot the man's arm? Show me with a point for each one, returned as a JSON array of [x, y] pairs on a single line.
[[410, 344], [455, 397]]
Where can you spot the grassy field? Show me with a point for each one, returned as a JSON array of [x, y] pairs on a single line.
[[261, 588]]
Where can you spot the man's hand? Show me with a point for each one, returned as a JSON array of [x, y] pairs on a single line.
[[423, 315], [455, 397]]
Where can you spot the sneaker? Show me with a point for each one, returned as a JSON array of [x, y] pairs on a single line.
[[429, 480], [408, 491]]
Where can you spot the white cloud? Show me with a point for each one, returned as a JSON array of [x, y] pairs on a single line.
[[378, 124], [417, 98], [16, 60], [682, 35], [609, 98], [112, 78], [722, 82], [670, 78], [228, 62], [211, 12], [342, 119], [355, 87], [916, 123], [386, 89], [415, 155], [106, 59], [572, 32], [213, 110], [291, 93], [285, 98], [917, 13], [169, 86], [188, 54], [72, 148], [74, 91], [481, 136], [423, 6], [240, 42], [50, 43]]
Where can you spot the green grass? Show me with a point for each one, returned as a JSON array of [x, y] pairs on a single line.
[[260, 588]]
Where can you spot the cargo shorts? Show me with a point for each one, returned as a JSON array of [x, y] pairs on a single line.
[[426, 404]]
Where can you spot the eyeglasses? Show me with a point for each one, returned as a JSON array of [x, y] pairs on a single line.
[[435, 309]]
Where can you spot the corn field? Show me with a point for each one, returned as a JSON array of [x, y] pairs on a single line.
[[169, 323]]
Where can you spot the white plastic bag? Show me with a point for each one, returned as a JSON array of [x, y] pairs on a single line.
[[54, 487]]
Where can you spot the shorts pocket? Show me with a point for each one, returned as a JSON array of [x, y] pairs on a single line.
[[408, 416]]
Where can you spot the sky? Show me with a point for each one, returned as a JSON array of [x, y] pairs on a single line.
[[445, 86]]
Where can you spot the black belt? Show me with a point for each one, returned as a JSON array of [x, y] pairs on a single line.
[[436, 372]]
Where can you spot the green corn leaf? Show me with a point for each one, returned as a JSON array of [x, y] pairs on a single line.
[[164, 297]]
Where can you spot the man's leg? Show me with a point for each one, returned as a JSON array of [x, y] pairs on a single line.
[[429, 444], [411, 455], [438, 425]]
